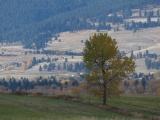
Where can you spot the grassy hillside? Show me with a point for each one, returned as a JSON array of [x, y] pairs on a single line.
[[148, 105], [30, 21], [14, 107]]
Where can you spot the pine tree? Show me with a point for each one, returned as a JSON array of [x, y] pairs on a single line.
[[64, 65], [59, 66], [145, 13], [40, 68]]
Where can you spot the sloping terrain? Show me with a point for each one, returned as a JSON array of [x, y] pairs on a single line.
[[147, 39], [127, 40], [140, 107], [39, 108], [35, 21]]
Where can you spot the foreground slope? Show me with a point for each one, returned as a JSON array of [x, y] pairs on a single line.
[[14, 107]]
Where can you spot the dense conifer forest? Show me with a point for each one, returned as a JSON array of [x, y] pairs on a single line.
[[35, 22]]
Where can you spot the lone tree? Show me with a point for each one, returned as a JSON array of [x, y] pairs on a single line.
[[106, 65]]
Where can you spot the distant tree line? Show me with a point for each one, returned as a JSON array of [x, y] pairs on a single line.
[[53, 52], [144, 55], [152, 60], [140, 83], [142, 75], [72, 67], [24, 84], [51, 65], [137, 25], [76, 67], [152, 63]]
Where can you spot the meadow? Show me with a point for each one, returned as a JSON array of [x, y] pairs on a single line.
[[139, 107], [142, 40]]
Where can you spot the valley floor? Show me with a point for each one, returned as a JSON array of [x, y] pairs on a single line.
[[142, 40]]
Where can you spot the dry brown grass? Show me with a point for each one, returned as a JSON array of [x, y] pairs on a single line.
[[147, 39]]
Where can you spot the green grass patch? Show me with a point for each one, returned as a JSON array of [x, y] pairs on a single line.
[[14, 107], [148, 105], [143, 106]]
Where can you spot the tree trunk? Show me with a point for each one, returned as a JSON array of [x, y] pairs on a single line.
[[104, 95], [104, 89]]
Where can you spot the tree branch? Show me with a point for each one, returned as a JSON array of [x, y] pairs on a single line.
[[111, 78]]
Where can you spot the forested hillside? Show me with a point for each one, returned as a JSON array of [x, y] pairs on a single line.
[[34, 22]]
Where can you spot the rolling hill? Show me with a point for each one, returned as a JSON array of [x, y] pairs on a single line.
[[14, 107], [36, 21]]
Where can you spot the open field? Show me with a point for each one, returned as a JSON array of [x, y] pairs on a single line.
[[28, 107], [148, 105], [144, 104], [127, 40], [146, 39]]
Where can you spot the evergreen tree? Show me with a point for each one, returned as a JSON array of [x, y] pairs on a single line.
[[143, 82], [64, 65], [66, 59], [34, 61], [145, 13], [149, 21], [40, 68], [48, 60], [158, 13], [59, 66], [136, 83]]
